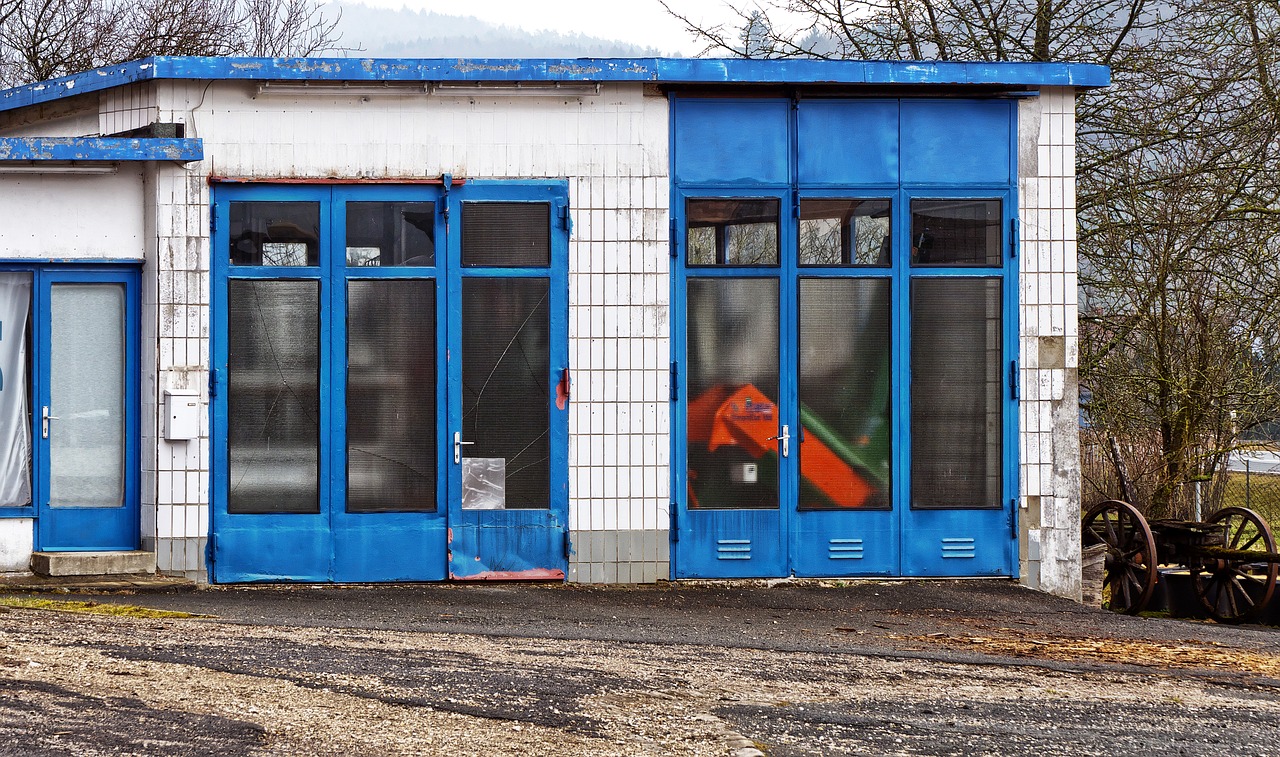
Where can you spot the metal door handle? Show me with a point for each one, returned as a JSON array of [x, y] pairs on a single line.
[[785, 439], [457, 446], [44, 421]]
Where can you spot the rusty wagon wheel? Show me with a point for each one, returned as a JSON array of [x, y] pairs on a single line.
[[1235, 589], [1130, 577]]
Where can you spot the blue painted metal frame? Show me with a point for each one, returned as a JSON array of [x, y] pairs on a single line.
[[336, 545], [383, 546], [516, 543], [81, 529], [662, 70], [102, 149], [903, 529], [264, 547]]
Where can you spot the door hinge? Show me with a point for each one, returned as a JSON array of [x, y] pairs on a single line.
[[566, 219], [795, 207], [213, 383], [446, 183], [1013, 517], [675, 381], [568, 544], [1013, 237], [673, 247], [213, 220], [675, 523], [1013, 379]]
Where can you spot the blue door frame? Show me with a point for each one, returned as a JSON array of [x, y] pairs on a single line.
[[897, 150], [338, 545], [113, 525]]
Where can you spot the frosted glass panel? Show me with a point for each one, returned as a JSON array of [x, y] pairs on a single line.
[[86, 395], [15, 386]]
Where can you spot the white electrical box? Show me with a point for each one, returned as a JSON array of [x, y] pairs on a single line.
[[181, 414]]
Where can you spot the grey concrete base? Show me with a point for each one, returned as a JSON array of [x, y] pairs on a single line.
[[183, 556], [92, 563], [621, 557]]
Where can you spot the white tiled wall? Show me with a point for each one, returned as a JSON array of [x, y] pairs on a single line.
[[612, 150], [1050, 515]]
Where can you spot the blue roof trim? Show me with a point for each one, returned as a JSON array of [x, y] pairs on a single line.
[[99, 149], [663, 70]]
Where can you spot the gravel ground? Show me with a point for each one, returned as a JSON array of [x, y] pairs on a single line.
[[869, 668]]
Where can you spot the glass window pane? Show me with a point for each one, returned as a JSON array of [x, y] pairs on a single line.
[[506, 234], [273, 401], [391, 234], [15, 390], [391, 395], [86, 395], [506, 395], [732, 231], [845, 382], [956, 232], [733, 392], [844, 232], [957, 393], [275, 233]]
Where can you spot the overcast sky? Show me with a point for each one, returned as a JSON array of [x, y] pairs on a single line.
[[640, 22]]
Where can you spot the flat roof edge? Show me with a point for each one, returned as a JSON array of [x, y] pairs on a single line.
[[102, 149], [658, 70]]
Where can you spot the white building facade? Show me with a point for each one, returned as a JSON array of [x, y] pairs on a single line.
[[592, 320]]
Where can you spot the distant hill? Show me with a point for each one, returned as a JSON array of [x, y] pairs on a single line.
[[387, 33]]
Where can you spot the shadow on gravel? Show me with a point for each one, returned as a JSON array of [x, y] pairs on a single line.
[[40, 718], [543, 694]]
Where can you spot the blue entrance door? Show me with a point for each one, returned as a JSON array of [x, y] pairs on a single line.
[[509, 379], [85, 412], [350, 323]]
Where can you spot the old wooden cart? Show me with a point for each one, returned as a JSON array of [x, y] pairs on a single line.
[[1231, 558]]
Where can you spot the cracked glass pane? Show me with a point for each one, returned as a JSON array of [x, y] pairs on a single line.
[[506, 398], [273, 405]]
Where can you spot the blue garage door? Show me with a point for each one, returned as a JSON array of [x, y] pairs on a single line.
[[386, 362], [845, 339]]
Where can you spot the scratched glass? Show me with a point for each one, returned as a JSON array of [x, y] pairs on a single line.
[[273, 399], [955, 232], [284, 234], [391, 395], [845, 383], [957, 393], [506, 386], [381, 234], [733, 393]]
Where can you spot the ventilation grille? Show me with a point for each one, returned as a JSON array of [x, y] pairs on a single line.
[[733, 549], [845, 549], [956, 547]]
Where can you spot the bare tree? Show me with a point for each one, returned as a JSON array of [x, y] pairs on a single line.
[[42, 39], [1178, 198]]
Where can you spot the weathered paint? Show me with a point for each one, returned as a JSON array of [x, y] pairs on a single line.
[[439, 181], [514, 575], [107, 149], [660, 70]]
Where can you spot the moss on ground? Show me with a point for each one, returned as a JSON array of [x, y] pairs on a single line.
[[94, 608]]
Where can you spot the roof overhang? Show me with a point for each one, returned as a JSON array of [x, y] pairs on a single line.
[[663, 71]]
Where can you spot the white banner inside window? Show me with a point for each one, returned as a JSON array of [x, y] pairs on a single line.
[[15, 426]]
